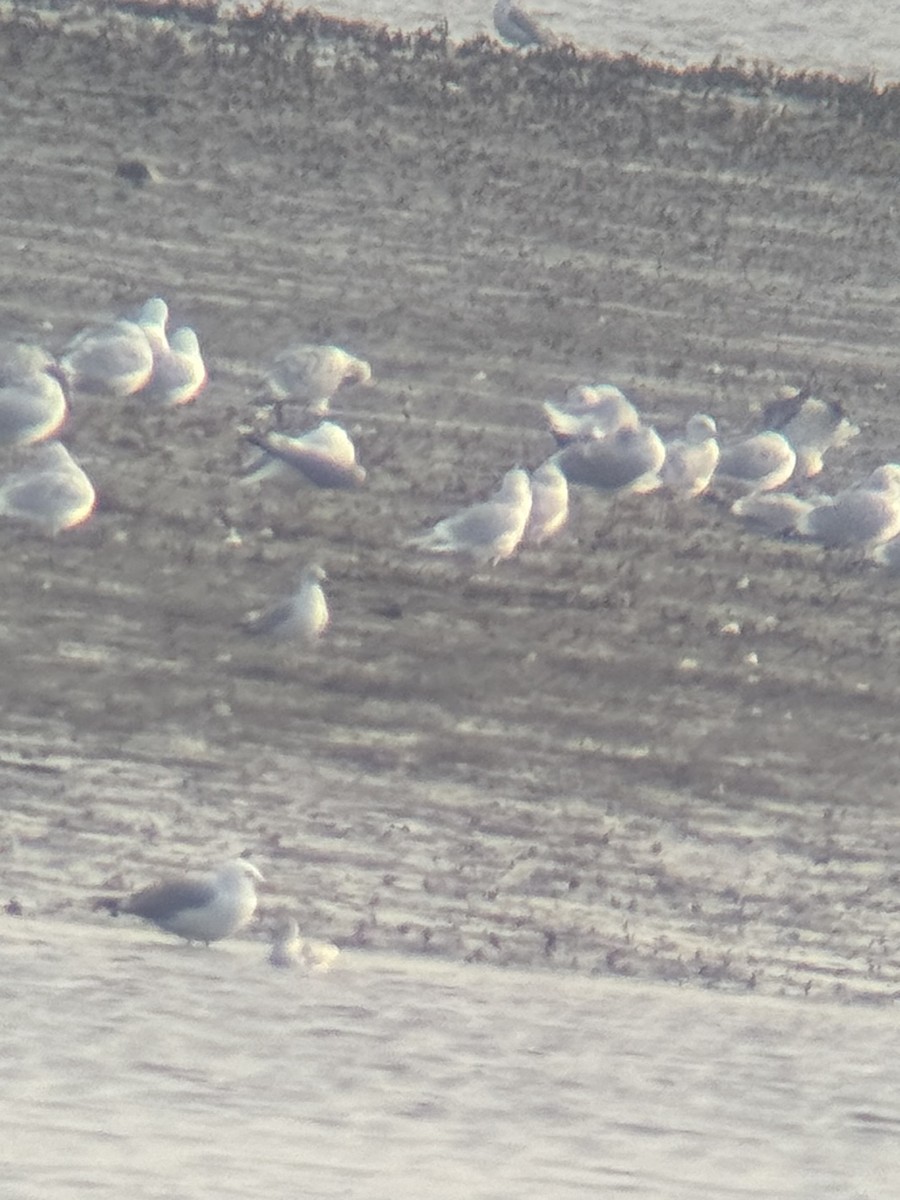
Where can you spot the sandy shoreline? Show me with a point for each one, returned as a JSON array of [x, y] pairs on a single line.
[[526, 748]]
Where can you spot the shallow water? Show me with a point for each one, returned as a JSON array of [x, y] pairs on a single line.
[[208, 1074]]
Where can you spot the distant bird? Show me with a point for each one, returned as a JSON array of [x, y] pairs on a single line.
[[812, 426], [54, 493], [199, 909], [32, 399], [691, 461], [290, 950], [486, 532], [179, 372], [324, 457], [590, 411], [626, 461], [549, 503], [515, 25], [115, 359], [302, 617], [774, 513], [758, 463], [860, 517], [311, 375]]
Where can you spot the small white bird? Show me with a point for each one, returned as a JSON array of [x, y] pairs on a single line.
[[691, 461], [302, 617], [325, 457], [32, 400], [199, 909], [860, 517], [549, 503], [628, 460], [115, 359], [486, 532], [516, 26], [54, 493], [311, 375], [590, 411], [759, 463]]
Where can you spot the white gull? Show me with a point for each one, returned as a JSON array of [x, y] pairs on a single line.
[[32, 400], [590, 411], [691, 461], [310, 375], [301, 617], [859, 517], [515, 25], [53, 493], [202, 909], [812, 426], [115, 359], [549, 503], [325, 457], [488, 531], [758, 463], [629, 460]]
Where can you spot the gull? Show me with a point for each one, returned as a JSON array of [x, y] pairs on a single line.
[[517, 26], [549, 503], [626, 461], [301, 617], [860, 517], [290, 950], [311, 375], [486, 532], [812, 426], [590, 411], [325, 457], [54, 493], [116, 359], [201, 909], [32, 400], [776, 513], [691, 461], [179, 372], [759, 463]]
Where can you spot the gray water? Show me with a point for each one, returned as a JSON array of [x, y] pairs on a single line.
[[815, 35], [177, 1072]]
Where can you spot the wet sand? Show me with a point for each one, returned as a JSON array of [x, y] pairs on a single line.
[[659, 746]]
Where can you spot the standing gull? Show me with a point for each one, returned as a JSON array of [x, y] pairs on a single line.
[[486, 532], [32, 400], [325, 457], [311, 375], [201, 909], [516, 26], [691, 461], [302, 617], [549, 503], [54, 493]]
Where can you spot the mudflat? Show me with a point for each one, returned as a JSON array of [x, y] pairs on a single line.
[[660, 745]]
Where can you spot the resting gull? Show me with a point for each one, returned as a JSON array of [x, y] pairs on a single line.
[[201, 909], [290, 950], [32, 400], [516, 26], [758, 463], [325, 457], [626, 461], [115, 359], [691, 461], [311, 375], [486, 532], [54, 493], [776, 513], [549, 503], [812, 426], [302, 617], [590, 411], [859, 517], [179, 372]]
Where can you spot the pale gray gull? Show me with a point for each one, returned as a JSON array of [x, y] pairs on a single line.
[[301, 617], [202, 909], [53, 493], [311, 375], [486, 532], [32, 400], [859, 517], [812, 426], [775, 513], [115, 359], [691, 461], [290, 950], [758, 463], [325, 457], [590, 411], [518, 27], [626, 461], [549, 503], [179, 372]]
